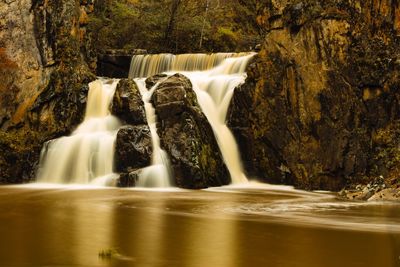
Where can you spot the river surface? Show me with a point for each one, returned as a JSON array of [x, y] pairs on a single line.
[[253, 225]]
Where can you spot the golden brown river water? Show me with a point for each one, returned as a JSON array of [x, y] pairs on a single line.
[[232, 226]]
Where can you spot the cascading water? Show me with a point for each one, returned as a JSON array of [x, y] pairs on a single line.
[[143, 66], [214, 78], [87, 155], [158, 174]]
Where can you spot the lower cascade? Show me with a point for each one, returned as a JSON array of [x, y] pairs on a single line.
[[87, 156], [214, 91]]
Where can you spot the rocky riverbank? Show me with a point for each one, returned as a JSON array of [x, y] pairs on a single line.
[[377, 190], [320, 107]]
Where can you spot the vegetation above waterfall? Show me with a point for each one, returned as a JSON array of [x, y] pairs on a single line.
[[176, 26]]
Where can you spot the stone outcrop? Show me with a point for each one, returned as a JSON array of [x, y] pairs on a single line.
[[377, 190], [116, 62], [133, 148], [127, 103], [128, 179], [187, 136], [46, 65], [153, 80], [322, 95]]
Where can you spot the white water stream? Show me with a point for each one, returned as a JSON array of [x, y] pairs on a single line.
[[159, 173], [87, 155], [214, 78], [143, 66]]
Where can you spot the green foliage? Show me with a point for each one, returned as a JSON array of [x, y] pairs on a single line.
[[227, 37], [193, 26]]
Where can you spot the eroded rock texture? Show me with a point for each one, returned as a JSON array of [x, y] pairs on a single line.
[[320, 107], [128, 104], [133, 148], [187, 136], [43, 56]]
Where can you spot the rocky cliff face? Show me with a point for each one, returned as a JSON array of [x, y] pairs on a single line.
[[43, 57], [320, 107]]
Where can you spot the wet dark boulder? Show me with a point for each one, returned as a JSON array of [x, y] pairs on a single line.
[[127, 103], [187, 136], [153, 80], [133, 148], [128, 179]]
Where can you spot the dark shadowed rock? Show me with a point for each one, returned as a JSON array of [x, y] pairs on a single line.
[[115, 66], [133, 148], [187, 136], [115, 63], [128, 104], [128, 179]]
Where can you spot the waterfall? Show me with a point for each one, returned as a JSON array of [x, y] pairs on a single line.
[[87, 155], [159, 173], [143, 66], [214, 78]]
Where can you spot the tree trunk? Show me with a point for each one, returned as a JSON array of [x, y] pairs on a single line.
[[171, 24], [204, 24]]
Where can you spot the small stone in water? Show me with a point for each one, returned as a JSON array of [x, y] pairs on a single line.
[[108, 253]]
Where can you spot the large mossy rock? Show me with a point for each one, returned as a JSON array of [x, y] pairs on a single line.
[[323, 88], [127, 103], [187, 136], [133, 148]]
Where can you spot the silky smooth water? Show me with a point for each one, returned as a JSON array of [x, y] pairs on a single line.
[[250, 225], [158, 174], [87, 155], [214, 78], [214, 89], [143, 66]]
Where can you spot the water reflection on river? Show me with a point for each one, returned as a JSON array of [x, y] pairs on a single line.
[[231, 226]]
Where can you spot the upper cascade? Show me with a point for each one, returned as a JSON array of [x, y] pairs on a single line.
[[147, 65]]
